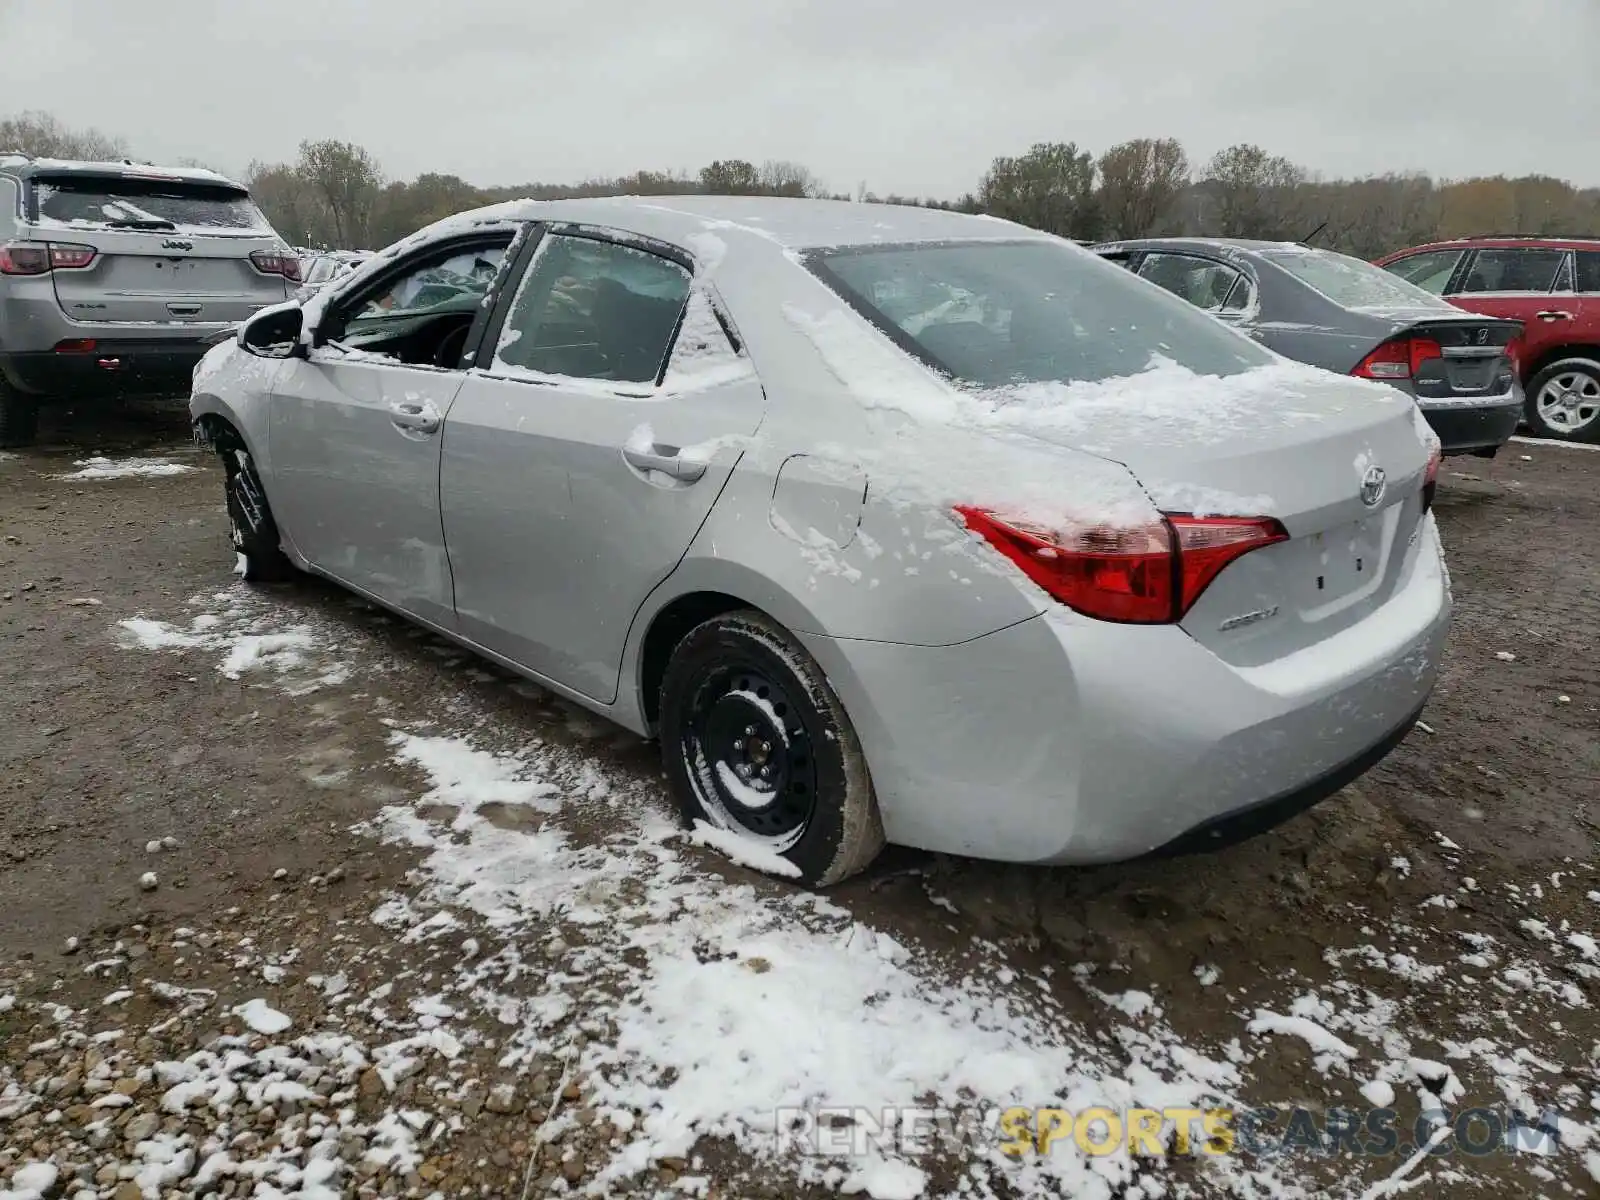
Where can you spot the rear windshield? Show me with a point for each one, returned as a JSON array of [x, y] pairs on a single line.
[[1351, 283], [137, 204], [1034, 311]]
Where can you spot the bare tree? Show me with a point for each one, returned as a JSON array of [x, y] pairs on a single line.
[[1255, 192], [1051, 187], [1140, 182], [777, 177], [43, 136], [348, 181]]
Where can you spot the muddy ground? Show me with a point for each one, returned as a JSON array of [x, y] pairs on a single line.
[[1482, 825]]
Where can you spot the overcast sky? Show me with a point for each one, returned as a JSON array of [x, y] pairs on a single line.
[[914, 96]]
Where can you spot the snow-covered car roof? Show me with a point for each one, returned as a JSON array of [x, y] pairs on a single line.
[[125, 168], [795, 224]]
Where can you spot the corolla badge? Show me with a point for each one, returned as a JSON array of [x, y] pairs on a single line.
[[1373, 484]]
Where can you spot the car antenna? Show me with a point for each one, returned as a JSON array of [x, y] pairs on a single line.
[[1306, 241]]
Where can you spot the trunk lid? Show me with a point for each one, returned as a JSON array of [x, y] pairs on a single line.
[[1473, 355], [166, 251], [1340, 462]]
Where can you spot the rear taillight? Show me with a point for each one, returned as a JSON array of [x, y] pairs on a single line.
[[1143, 574], [1430, 477], [1514, 353], [40, 258], [75, 346], [1398, 358], [70, 258], [272, 262]]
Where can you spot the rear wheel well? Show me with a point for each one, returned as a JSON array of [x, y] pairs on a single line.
[[669, 627], [1556, 354]]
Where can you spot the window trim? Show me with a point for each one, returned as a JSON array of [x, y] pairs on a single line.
[[484, 362]]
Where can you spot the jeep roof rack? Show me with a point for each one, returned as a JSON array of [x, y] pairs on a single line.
[[1528, 237]]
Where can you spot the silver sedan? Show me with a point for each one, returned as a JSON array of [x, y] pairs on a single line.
[[889, 523]]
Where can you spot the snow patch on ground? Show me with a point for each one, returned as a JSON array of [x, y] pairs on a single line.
[[249, 635], [123, 468], [727, 1003]]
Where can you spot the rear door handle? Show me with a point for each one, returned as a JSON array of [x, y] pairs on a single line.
[[1554, 314], [668, 460], [423, 418]]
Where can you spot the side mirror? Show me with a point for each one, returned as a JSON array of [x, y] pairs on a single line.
[[274, 333]]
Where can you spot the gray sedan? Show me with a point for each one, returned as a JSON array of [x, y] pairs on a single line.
[[1345, 315], [889, 524]]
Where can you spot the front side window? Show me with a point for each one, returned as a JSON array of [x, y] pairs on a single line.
[[591, 309], [993, 313], [1430, 271], [423, 315], [1515, 269], [157, 206], [458, 281], [1351, 282], [1202, 283]]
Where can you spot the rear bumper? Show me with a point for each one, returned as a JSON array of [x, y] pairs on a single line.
[[1474, 425], [1066, 740], [114, 368]]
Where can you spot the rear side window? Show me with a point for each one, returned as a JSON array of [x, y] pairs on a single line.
[[1588, 274], [87, 202], [1350, 282], [1202, 283], [590, 309], [997, 313], [1514, 270], [1430, 271]]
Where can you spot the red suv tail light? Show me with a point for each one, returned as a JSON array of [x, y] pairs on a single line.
[[1430, 477], [1144, 574], [274, 262], [1398, 358], [40, 258]]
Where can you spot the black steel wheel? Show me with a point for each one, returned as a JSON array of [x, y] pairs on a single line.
[[756, 744]]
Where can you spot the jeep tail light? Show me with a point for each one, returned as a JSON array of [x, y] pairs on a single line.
[[70, 258], [1139, 574], [24, 258], [40, 258], [274, 262], [1398, 358], [1430, 477]]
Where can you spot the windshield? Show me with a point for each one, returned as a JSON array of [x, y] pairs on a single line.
[[1351, 283], [997, 313], [139, 204]]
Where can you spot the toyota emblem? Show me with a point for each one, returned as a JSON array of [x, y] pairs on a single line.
[[1373, 484]]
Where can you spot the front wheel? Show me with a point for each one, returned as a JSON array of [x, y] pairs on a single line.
[[1564, 401], [757, 745], [258, 553]]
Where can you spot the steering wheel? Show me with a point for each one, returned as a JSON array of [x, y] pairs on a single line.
[[448, 355]]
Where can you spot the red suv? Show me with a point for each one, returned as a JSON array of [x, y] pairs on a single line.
[[1551, 285]]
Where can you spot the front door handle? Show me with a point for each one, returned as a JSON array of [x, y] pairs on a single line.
[[668, 460], [422, 418], [1554, 314]]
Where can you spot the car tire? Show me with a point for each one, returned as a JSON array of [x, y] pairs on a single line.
[[257, 545], [19, 418], [747, 713], [1564, 401]]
